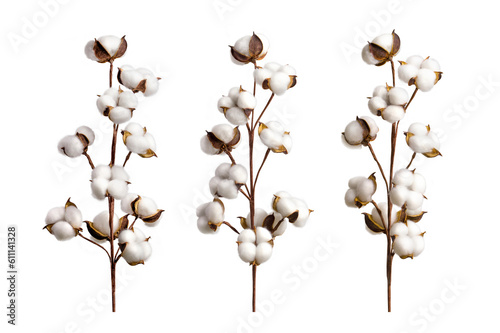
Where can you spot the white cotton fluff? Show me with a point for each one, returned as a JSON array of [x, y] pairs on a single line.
[[126, 203], [385, 41], [261, 74], [426, 79], [223, 132], [128, 99], [126, 236], [242, 46], [236, 116], [117, 189], [275, 137], [279, 83], [418, 245], [263, 253], [63, 231], [304, 213], [120, 115], [414, 200], [73, 216], [106, 101], [112, 181], [137, 248], [403, 177], [279, 76], [246, 236], [419, 184], [413, 229], [399, 229], [118, 172], [147, 250], [224, 103], [101, 171], [139, 141], [365, 190], [399, 195], [398, 96], [367, 56], [88, 132], [287, 69], [372, 125], [393, 113], [262, 235], [206, 146], [259, 217], [54, 215], [89, 50], [133, 253], [403, 246], [134, 129], [222, 170], [246, 100], [383, 207], [130, 78], [247, 252], [204, 227], [226, 188], [423, 140], [272, 66], [415, 60], [407, 72], [432, 64], [287, 205], [110, 43], [238, 173], [70, 146], [350, 197], [99, 187], [214, 212], [418, 129], [282, 227], [354, 133], [101, 222], [376, 104], [146, 207]]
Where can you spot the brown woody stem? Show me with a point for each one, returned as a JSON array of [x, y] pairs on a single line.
[[110, 73], [262, 113], [411, 161], [89, 159], [411, 99], [102, 247], [379, 166], [231, 227], [127, 158], [393, 74], [262, 164]]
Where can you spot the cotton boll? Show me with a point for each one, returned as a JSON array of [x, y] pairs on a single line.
[[152, 86], [375, 104], [350, 197], [146, 207], [355, 181], [54, 215], [137, 144], [238, 173], [225, 102], [398, 96], [63, 231], [135, 129], [399, 195], [203, 226], [88, 132], [126, 236], [302, 218], [372, 125], [365, 190], [227, 189], [403, 246], [399, 229], [286, 206], [434, 139], [150, 141], [206, 146], [126, 203], [236, 116], [133, 253], [418, 184], [222, 170], [247, 236], [146, 250], [418, 245], [117, 189], [265, 43], [110, 43], [261, 74], [381, 91], [393, 113], [130, 78], [223, 132], [99, 187], [242, 45], [425, 79], [414, 200], [271, 139], [101, 222], [214, 212], [421, 144], [385, 41], [279, 83], [418, 129], [367, 56], [101, 171], [234, 93], [213, 184], [70, 146], [263, 253], [120, 115], [139, 235], [246, 100], [383, 207], [403, 177], [407, 72], [413, 229], [414, 212], [118, 172], [247, 252], [89, 50], [415, 60], [73, 216], [354, 133], [104, 102], [431, 64], [112, 92], [128, 100], [262, 235]]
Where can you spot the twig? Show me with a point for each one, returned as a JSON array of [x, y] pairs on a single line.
[[126, 158], [230, 226], [102, 247], [411, 99], [262, 164], [89, 159], [412, 158], [246, 195], [262, 113], [379, 165]]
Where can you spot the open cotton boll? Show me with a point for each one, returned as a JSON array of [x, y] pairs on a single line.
[[418, 245], [146, 207], [88, 132], [403, 177], [261, 74], [206, 146], [223, 132], [385, 41], [63, 231], [393, 113], [432, 64], [204, 227], [236, 116], [302, 218], [238, 173], [242, 46], [398, 96], [279, 83], [133, 253], [73, 216], [112, 92], [407, 72], [128, 99], [354, 133], [355, 181], [425, 79], [118, 172], [263, 235], [117, 189], [139, 235], [89, 50], [101, 171], [152, 86], [224, 103], [226, 188], [367, 56], [271, 139], [99, 187], [214, 212], [399, 229], [403, 246], [127, 236], [213, 184], [120, 115], [399, 195], [419, 184], [247, 252], [413, 229], [415, 60], [70, 146], [126, 203], [110, 43], [54, 215], [247, 236], [101, 222], [372, 125], [418, 129], [414, 200], [104, 102], [263, 253], [350, 198], [246, 100], [222, 170], [375, 104], [365, 190]]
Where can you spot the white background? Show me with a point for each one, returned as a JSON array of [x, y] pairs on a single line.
[[195, 282]]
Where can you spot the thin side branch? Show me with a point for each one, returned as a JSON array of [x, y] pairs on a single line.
[[262, 113], [89, 240], [411, 161], [246, 195], [127, 158], [393, 74], [89, 159], [262, 164], [379, 165], [230, 226], [411, 99]]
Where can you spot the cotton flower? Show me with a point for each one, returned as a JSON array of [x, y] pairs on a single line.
[[140, 79], [237, 105], [274, 222], [222, 138], [408, 239], [273, 136], [360, 191], [109, 181], [294, 209], [255, 247], [408, 191], [381, 49], [360, 132], [139, 141], [228, 180], [64, 222], [142, 207], [99, 228], [77, 144], [388, 102], [423, 73], [106, 48], [249, 49], [278, 78], [421, 140], [210, 216], [117, 105], [134, 246], [376, 223]]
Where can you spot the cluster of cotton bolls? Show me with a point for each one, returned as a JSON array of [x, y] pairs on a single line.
[[294, 209], [228, 180], [109, 181], [249, 49], [423, 73], [137, 140], [278, 78], [388, 102], [381, 49], [422, 140], [222, 137], [76, 144], [99, 227], [274, 222], [409, 188], [142, 207], [117, 105], [210, 216], [135, 246], [140, 79], [360, 132], [273, 136], [64, 222], [255, 247], [106, 48], [408, 239], [361, 190], [237, 105]]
